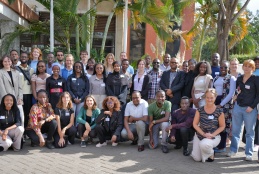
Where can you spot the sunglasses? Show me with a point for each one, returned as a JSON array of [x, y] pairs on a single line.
[[155, 62]]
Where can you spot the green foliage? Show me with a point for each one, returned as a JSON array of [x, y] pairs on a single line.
[[242, 57], [96, 54]]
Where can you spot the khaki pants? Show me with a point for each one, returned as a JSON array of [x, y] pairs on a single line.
[[203, 149], [14, 138], [21, 114]]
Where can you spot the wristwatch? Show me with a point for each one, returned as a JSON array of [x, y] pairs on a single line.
[[154, 121]]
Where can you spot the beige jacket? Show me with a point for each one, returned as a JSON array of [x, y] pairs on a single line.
[[6, 86]]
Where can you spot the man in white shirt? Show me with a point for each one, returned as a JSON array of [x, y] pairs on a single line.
[[166, 63], [136, 114]]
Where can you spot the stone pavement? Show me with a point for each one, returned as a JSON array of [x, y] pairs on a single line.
[[121, 159]]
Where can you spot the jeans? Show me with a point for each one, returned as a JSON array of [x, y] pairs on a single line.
[[239, 116], [77, 108], [138, 130], [155, 130]]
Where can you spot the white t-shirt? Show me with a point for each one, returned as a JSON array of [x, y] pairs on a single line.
[[137, 111]]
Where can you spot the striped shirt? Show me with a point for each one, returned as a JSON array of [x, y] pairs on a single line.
[[209, 123]]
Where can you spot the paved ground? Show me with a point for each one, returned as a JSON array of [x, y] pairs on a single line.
[[121, 159]]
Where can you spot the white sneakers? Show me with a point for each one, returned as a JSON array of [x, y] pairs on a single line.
[[100, 145], [248, 158], [114, 144], [230, 154]]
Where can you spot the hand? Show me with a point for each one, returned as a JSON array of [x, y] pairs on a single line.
[[208, 135], [4, 136], [168, 92], [150, 126], [42, 140], [86, 133], [41, 123], [168, 128], [151, 142], [196, 102], [107, 113], [234, 98], [19, 102], [61, 142], [249, 109], [173, 139], [170, 95], [114, 138], [77, 101], [131, 119], [219, 106], [191, 100], [130, 135], [50, 118]]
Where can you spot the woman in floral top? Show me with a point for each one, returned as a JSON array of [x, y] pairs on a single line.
[[42, 120]]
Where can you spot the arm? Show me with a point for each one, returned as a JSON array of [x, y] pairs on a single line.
[[48, 86], [256, 100], [123, 93], [2, 87], [222, 125], [195, 124], [96, 114], [79, 117], [147, 84], [20, 93], [165, 118], [69, 83], [100, 118], [178, 86], [33, 86], [64, 84], [231, 91], [86, 90], [163, 81]]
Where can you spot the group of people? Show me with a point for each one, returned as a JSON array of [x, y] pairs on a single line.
[[63, 99]]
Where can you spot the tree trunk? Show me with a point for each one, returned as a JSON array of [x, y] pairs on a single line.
[[77, 41], [201, 41]]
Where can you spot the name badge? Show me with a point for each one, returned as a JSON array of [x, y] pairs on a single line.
[[60, 83], [2, 117], [247, 86], [92, 119], [211, 117], [216, 73], [158, 79], [103, 84], [163, 112], [67, 114], [74, 79], [122, 76], [107, 119]]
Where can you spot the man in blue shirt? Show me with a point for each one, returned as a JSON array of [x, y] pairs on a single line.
[[215, 59], [123, 56]]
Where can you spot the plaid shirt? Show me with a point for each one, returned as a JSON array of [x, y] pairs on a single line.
[[155, 83]]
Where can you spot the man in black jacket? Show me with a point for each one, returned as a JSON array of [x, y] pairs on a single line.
[[172, 82]]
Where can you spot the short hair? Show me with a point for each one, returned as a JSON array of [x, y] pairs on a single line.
[[94, 105], [135, 92], [40, 56], [42, 91], [249, 62], [84, 51], [234, 60], [106, 59], [226, 62], [60, 103], [114, 63], [213, 91], [24, 52], [13, 50], [69, 55], [124, 60], [160, 91], [117, 104], [2, 59], [37, 71], [185, 98], [60, 52], [197, 67]]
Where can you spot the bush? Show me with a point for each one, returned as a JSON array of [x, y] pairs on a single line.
[[242, 57]]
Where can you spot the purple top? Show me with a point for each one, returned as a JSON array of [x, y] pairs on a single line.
[[182, 120]]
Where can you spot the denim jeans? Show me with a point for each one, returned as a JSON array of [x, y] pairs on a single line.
[[238, 117]]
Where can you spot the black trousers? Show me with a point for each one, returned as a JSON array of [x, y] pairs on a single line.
[[81, 129], [48, 127], [182, 136], [103, 134], [27, 100], [70, 133]]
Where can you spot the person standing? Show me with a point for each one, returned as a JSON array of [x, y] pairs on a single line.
[[84, 58], [123, 55], [14, 55], [172, 82], [60, 60], [50, 60], [68, 70], [165, 66], [26, 73], [148, 66], [159, 113], [108, 63], [35, 56], [215, 59], [155, 77]]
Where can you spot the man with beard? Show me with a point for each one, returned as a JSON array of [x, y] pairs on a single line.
[[155, 75], [215, 59], [60, 61], [15, 57], [50, 60], [181, 128], [148, 66], [159, 112], [166, 63], [26, 72]]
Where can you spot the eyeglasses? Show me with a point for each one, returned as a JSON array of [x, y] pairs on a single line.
[[109, 103], [223, 67], [155, 62]]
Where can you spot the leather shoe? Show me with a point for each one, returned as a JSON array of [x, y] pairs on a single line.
[[177, 147], [141, 148], [164, 149], [49, 145], [134, 142], [186, 152], [33, 144]]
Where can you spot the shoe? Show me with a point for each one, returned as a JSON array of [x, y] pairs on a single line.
[[141, 148], [186, 152], [210, 160], [220, 150], [90, 140], [49, 145], [230, 154], [164, 149], [177, 147], [33, 144], [100, 145], [83, 144], [1, 149], [134, 142], [114, 144], [16, 150], [248, 158]]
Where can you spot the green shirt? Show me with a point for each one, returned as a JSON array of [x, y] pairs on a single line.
[[158, 113]]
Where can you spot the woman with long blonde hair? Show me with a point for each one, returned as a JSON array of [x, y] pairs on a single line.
[[108, 63]]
